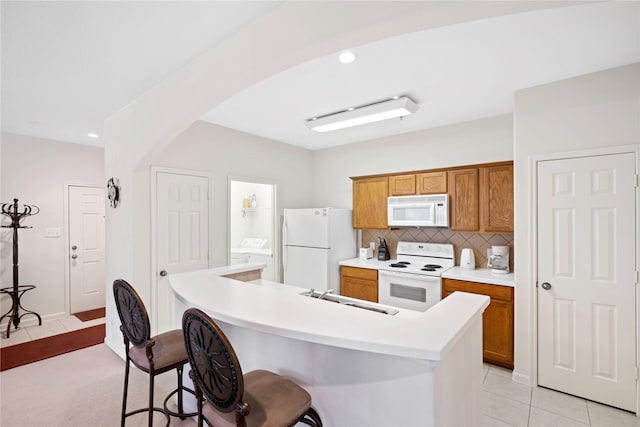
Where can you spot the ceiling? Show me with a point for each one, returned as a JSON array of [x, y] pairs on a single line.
[[67, 66]]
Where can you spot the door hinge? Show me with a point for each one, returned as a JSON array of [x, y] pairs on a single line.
[[636, 373], [637, 183]]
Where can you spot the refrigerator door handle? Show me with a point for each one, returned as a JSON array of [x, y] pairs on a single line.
[[284, 230], [284, 259]]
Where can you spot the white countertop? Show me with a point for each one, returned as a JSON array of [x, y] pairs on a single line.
[[371, 263], [281, 310], [481, 275]]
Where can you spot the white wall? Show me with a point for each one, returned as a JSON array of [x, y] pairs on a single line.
[[478, 141], [223, 152], [593, 111], [35, 171]]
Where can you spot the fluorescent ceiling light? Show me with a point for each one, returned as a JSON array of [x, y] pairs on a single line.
[[389, 109]]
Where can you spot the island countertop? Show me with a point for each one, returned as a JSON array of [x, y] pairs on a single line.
[[281, 310]]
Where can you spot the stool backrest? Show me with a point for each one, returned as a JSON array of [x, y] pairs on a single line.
[[214, 364], [133, 315]]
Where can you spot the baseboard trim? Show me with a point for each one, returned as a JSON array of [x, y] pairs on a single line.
[[521, 378]]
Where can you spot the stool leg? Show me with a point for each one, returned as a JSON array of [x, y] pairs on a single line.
[[180, 410], [124, 393], [151, 381]]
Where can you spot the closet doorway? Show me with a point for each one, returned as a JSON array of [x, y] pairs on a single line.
[[252, 224]]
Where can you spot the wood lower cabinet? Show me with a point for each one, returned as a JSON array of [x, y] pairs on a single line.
[[497, 320], [361, 283], [370, 203], [246, 276]]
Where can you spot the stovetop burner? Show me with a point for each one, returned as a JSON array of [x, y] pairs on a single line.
[[428, 259]]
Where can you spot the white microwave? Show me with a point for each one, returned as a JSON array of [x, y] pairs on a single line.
[[429, 210]]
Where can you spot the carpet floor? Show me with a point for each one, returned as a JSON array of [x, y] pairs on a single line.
[[78, 389], [55, 345]]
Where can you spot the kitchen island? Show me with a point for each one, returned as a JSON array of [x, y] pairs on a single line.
[[361, 367]]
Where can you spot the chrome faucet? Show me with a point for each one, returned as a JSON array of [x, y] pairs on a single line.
[[328, 291]]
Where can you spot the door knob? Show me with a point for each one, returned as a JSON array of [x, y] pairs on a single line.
[[74, 247], [163, 273], [74, 256], [546, 286]]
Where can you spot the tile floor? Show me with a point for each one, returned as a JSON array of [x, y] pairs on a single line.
[[507, 403]]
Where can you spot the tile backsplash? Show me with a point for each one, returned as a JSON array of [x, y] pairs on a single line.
[[479, 242]]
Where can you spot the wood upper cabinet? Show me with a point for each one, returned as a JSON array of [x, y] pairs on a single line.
[[481, 199], [370, 202], [464, 198], [480, 196], [402, 185], [496, 187], [431, 183], [361, 283], [497, 319]]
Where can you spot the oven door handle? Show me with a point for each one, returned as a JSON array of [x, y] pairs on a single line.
[[408, 275]]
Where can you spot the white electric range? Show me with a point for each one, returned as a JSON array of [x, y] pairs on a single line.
[[412, 281]]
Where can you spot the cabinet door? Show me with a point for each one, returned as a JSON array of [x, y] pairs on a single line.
[[497, 329], [359, 283], [370, 203], [497, 198], [497, 319], [402, 185], [463, 191], [431, 183]]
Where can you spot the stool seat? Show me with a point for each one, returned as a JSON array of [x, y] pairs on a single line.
[[168, 351], [261, 392]]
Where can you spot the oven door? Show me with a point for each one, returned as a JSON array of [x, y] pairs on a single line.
[[406, 290]]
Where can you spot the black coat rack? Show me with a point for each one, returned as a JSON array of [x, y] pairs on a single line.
[[17, 215]]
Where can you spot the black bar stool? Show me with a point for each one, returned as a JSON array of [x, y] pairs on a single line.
[[153, 355]]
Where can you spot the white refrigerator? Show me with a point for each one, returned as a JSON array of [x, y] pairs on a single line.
[[314, 241]]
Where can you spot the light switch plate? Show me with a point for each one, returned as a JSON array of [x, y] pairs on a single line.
[[52, 232]]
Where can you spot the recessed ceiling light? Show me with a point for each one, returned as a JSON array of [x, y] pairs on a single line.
[[92, 135], [347, 57]]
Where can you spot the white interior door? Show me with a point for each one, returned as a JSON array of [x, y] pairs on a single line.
[[586, 278], [182, 235], [86, 248]]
